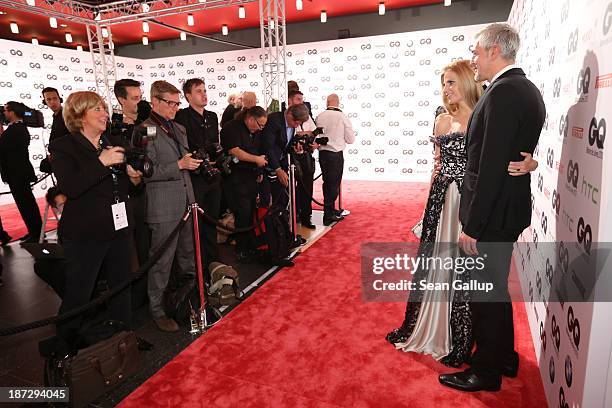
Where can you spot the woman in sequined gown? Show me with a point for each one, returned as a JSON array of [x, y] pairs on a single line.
[[439, 322]]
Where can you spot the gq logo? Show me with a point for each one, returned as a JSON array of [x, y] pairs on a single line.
[[542, 333], [572, 42], [551, 369], [597, 133], [573, 326], [556, 332], [562, 402], [584, 235], [550, 158], [556, 201], [584, 79], [607, 20], [563, 126], [568, 371], [572, 173], [458, 38], [557, 87]]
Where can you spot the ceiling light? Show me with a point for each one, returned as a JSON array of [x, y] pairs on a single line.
[[202, 1], [145, 40], [381, 8], [224, 30], [324, 16], [241, 12], [53, 22], [183, 36], [14, 28], [68, 37], [31, 2], [145, 26], [104, 33], [298, 4], [79, 47], [145, 8], [190, 21], [447, 3], [34, 40]]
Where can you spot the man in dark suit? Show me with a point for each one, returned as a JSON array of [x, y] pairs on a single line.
[[53, 100], [495, 207], [277, 136], [16, 169]]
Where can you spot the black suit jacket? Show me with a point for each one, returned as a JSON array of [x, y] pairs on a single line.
[[507, 120], [88, 184], [275, 141], [15, 166]]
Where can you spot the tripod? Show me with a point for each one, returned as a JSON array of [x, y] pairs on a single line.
[[207, 315]]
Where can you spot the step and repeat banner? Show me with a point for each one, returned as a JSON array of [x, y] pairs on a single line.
[[389, 87], [27, 69], [566, 48]]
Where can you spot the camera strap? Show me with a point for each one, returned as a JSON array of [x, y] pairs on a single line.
[[169, 131]]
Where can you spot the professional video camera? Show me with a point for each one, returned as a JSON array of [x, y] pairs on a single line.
[[214, 161], [31, 117], [135, 144], [310, 138]]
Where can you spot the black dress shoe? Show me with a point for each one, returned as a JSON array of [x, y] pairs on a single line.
[[308, 224], [470, 382], [24, 238], [5, 238], [330, 220]]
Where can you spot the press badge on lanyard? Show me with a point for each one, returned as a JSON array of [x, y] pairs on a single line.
[[119, 213]]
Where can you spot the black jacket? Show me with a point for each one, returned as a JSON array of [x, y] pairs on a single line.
[[507, 120], [88, 184], [15, 166], [275, 141], [202, 130], [58, 127], [228, 114]]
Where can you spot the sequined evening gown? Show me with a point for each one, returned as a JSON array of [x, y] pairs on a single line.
[[439, 322]]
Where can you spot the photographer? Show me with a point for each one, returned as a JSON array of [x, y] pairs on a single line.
[[340, 132], [277, 135], [234, 105], [95, 221], [53, 100], [169, 192], [203, 133], [241, 138], [134, 111], [16, 169], [302, 155]]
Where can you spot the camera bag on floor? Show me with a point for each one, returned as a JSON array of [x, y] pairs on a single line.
[[225, 288], [94, 370], [273, 235]]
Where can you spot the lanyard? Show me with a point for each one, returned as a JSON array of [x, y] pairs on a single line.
[[115, 187]]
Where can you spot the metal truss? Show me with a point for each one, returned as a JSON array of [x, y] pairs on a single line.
[[274, 55], [103, 60]]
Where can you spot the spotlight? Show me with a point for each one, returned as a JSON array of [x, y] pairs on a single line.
[[183, 36], [224, 29], [14, 28], [68, 37], [447, 3], [324, 16], [79, 47], [241, 12], [381, 9], [53, 22], [298, 4], [104, 33], [145, 26], [190, 21], [34, 40], [271, 24], [31, 2], [145, 40]]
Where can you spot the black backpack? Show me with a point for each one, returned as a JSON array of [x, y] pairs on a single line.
[[273, 233]]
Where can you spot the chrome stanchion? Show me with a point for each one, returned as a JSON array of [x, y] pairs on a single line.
[[344, 212], [292, 206]]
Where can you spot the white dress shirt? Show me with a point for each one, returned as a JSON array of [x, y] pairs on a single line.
[[503, 71], [337, 127]]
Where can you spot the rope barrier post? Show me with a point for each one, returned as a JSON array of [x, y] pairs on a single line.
[[292, 206], [41, 238], [344, 212]]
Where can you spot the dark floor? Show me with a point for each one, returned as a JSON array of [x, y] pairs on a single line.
[[24, 298]]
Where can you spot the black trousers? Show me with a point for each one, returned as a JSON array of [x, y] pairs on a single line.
[[492, 321], [86, 262], [26, 204], [280, 194], [208, 197], [240, 189], [332, 166], [303, 192]]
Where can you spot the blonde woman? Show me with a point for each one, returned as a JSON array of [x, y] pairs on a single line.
[[439, 323]]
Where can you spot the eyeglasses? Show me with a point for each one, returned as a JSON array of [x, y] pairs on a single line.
[[259, 124], [171, 104]]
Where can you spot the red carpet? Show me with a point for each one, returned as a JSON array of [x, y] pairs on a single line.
[[306, 339], [13, 224]]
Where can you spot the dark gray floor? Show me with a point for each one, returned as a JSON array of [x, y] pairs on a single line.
[[24, 297]]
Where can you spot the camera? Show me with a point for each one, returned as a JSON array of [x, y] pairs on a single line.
[[31, 117], [134, 140], [214, 161], [309, 139]]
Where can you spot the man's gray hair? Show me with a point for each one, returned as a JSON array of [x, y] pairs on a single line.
[[503, 35], [299, 112]]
